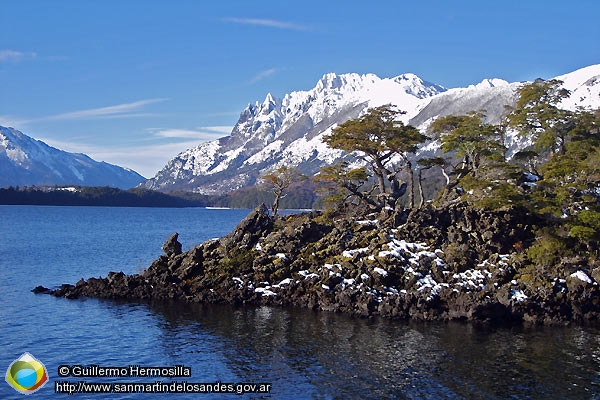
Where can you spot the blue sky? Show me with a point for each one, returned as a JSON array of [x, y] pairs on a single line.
[[136, 82]]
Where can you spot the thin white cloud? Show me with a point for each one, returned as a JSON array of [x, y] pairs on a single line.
[[11, 122], [263, 75], [201, 133], [15, 56], [127, 110], [270, 23], [219, 128]]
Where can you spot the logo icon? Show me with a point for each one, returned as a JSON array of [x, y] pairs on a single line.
[[26, 374]]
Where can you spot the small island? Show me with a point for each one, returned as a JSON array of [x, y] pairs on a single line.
[[506, 238]]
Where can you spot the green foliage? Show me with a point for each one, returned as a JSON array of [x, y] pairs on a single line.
[[238, 260], [471, 139], [500, 195], [583, 233], [571, 178], [528, 160], [548, 249], [486, 178], [357, 175], [586, 226], [537, 114], [338, 184], [589, 218], [378, 136], [432, 162], [467, 134]]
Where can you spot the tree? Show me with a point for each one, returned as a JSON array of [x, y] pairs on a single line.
[[471, 139], [483, 170], [342, 183], [537, 115], [279, 181], [427, 163], [571, 180], [566, 147], [384, 143], [529, 160]]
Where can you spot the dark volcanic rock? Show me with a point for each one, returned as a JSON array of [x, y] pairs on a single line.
[[172, 247], [247, 233], [41, 289], [449, 263]]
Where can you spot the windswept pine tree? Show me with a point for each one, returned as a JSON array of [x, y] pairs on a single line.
[[384, 143]]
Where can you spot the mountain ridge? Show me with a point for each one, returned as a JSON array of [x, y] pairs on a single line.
[[26, 161], [289, 131]]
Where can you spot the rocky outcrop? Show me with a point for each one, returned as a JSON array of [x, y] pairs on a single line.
[[172, 247], [452, 263]]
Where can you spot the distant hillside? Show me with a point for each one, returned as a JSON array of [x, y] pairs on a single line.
[[99, 196], [25, 161]]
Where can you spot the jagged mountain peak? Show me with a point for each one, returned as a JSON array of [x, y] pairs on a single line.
[[332, 81], [269, 101], [416, 86], [290, 131], [490, 83]]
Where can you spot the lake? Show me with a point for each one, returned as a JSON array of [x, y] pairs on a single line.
[[298, 353]]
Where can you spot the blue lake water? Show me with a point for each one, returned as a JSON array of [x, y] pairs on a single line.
[[300, 353]]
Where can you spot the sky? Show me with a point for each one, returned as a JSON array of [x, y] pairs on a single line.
[[134, 83]]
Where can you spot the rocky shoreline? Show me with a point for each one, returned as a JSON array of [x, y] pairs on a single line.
[[450, 263]]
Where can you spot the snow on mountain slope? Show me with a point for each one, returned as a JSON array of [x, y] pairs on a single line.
[[489, 96], [25, 161], [286, 130], [584, 85], [290, 131]]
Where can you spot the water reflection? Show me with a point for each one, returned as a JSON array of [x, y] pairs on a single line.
[[325, 355]]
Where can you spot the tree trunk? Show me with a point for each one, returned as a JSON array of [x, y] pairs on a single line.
[[275, 206], [422, 200], [411, 185], [445, 176], [380, 181]]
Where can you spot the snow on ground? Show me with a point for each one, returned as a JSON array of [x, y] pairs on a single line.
[[582, 276], [411, 252], [284, 282], [264, 291], [517, 295], [472, 278], [412, 260], [351, 253]]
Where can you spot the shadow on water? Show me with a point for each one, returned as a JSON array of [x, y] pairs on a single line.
[[326, 355]]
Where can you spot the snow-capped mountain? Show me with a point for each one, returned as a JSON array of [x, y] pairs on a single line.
[[290, 131], [25, 161]]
